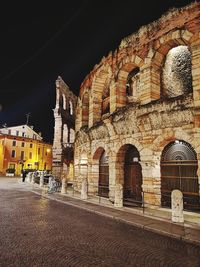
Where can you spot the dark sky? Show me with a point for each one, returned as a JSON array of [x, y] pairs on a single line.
[[40, 42]]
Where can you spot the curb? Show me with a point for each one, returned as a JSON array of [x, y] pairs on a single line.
[[138, 225]]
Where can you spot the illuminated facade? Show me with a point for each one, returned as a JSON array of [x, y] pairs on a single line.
[[138, 117], [22, 147], [64, 131]]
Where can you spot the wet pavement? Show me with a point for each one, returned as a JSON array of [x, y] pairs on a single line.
[[54, 230]]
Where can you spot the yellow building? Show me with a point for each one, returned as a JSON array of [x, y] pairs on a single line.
[[1, 156], [22, 148]]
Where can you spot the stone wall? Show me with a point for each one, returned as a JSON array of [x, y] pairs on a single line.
[[64, 130], [149, 119]]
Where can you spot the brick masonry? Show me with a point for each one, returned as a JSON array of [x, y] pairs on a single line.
[[64, 131], [149, 119]]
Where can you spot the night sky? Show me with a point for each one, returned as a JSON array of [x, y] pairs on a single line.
[[41, 42]]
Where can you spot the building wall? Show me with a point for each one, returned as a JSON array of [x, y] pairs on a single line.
[[110, 116], [1, 157], [21, 130], [64, 131], [37, 154]]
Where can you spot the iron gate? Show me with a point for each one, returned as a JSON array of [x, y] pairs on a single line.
[[103, 188], [179, 171], [132, 178]]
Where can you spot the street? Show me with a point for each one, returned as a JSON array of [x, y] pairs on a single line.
[[36, 231]]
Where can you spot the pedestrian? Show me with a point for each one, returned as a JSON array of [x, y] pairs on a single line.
[[23, 175]]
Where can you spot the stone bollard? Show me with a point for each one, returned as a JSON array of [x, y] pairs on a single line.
[[32, 178], [28, 177], [63, 188], [84, 188], [41, 179], [177, 206], [118, 196]]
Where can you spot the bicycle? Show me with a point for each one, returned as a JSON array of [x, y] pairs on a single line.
[[53, 185]]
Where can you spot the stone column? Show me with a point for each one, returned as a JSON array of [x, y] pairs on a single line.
[[91, 189], [64, 186], [57, 97], [64, 181], [151, 181], [177, 206], [32, 178], [149, 83], [112, 179], [113, 97], [84, 188], [29, 177], [195, 50]]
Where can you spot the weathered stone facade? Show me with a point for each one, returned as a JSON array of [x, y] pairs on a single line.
[[64, 131], [142, 98]]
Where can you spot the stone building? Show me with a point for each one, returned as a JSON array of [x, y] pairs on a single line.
[[64, 130], [138, 117]]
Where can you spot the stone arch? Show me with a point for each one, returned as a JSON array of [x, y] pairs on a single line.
[[176, 73], [157, 55], [100, 93], [96, 146], [126, 141], [129, 174], [127, 66], [161, 141], [171, 39], [100, 184], [85, 109], [97, 154]]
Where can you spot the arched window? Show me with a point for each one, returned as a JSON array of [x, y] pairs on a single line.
[[70, 108], [132, 84], [176, 72], [179, 171], [64, 101]]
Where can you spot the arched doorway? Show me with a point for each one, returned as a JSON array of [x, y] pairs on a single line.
[[132, 194], [179, 171], [103, 186]]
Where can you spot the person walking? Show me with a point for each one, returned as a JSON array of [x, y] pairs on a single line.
[[23, 175]]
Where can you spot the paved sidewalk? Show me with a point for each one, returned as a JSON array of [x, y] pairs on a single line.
[[186, 232]]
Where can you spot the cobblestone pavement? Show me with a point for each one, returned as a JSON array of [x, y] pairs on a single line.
[[36, 231]]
